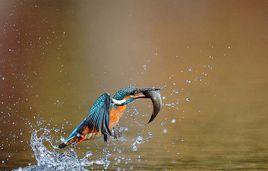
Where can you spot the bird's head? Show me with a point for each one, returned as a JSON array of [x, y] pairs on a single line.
[[129, 94]]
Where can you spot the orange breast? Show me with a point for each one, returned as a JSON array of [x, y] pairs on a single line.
[[115, 115]]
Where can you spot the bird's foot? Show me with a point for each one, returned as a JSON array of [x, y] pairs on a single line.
[[116, 132]]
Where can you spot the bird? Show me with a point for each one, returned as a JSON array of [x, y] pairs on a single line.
[[106, 112]]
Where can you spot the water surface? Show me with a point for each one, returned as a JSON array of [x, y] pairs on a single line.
[[209, 57]]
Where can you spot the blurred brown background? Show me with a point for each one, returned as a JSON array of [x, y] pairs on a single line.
[[56, 57]]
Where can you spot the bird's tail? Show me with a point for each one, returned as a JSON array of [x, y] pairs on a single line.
[[62, 145], [73, 140], [67, 141]]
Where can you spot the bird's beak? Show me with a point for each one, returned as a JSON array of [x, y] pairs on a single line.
[[155, 96]]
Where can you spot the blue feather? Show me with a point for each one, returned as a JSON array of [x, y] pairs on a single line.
[[97, 119], [121, 94]]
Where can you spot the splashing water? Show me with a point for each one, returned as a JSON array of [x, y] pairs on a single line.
[[49, 157], [139, 140], [52, 159]]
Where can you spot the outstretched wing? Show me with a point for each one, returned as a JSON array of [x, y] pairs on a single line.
[[97, 119]]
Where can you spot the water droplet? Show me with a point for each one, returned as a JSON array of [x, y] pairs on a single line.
[[139, 140], [88, 154], [187, 99], [173, 121], [211, 57], [144, 67], [165, 131], [188, 81], [134, 148]]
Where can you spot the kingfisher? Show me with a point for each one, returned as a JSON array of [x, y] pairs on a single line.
[[106, 112]]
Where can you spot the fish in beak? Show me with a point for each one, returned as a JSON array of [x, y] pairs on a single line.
[[155, 96]]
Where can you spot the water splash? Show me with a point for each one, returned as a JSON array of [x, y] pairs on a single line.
[[54, 159], [139, 140]]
